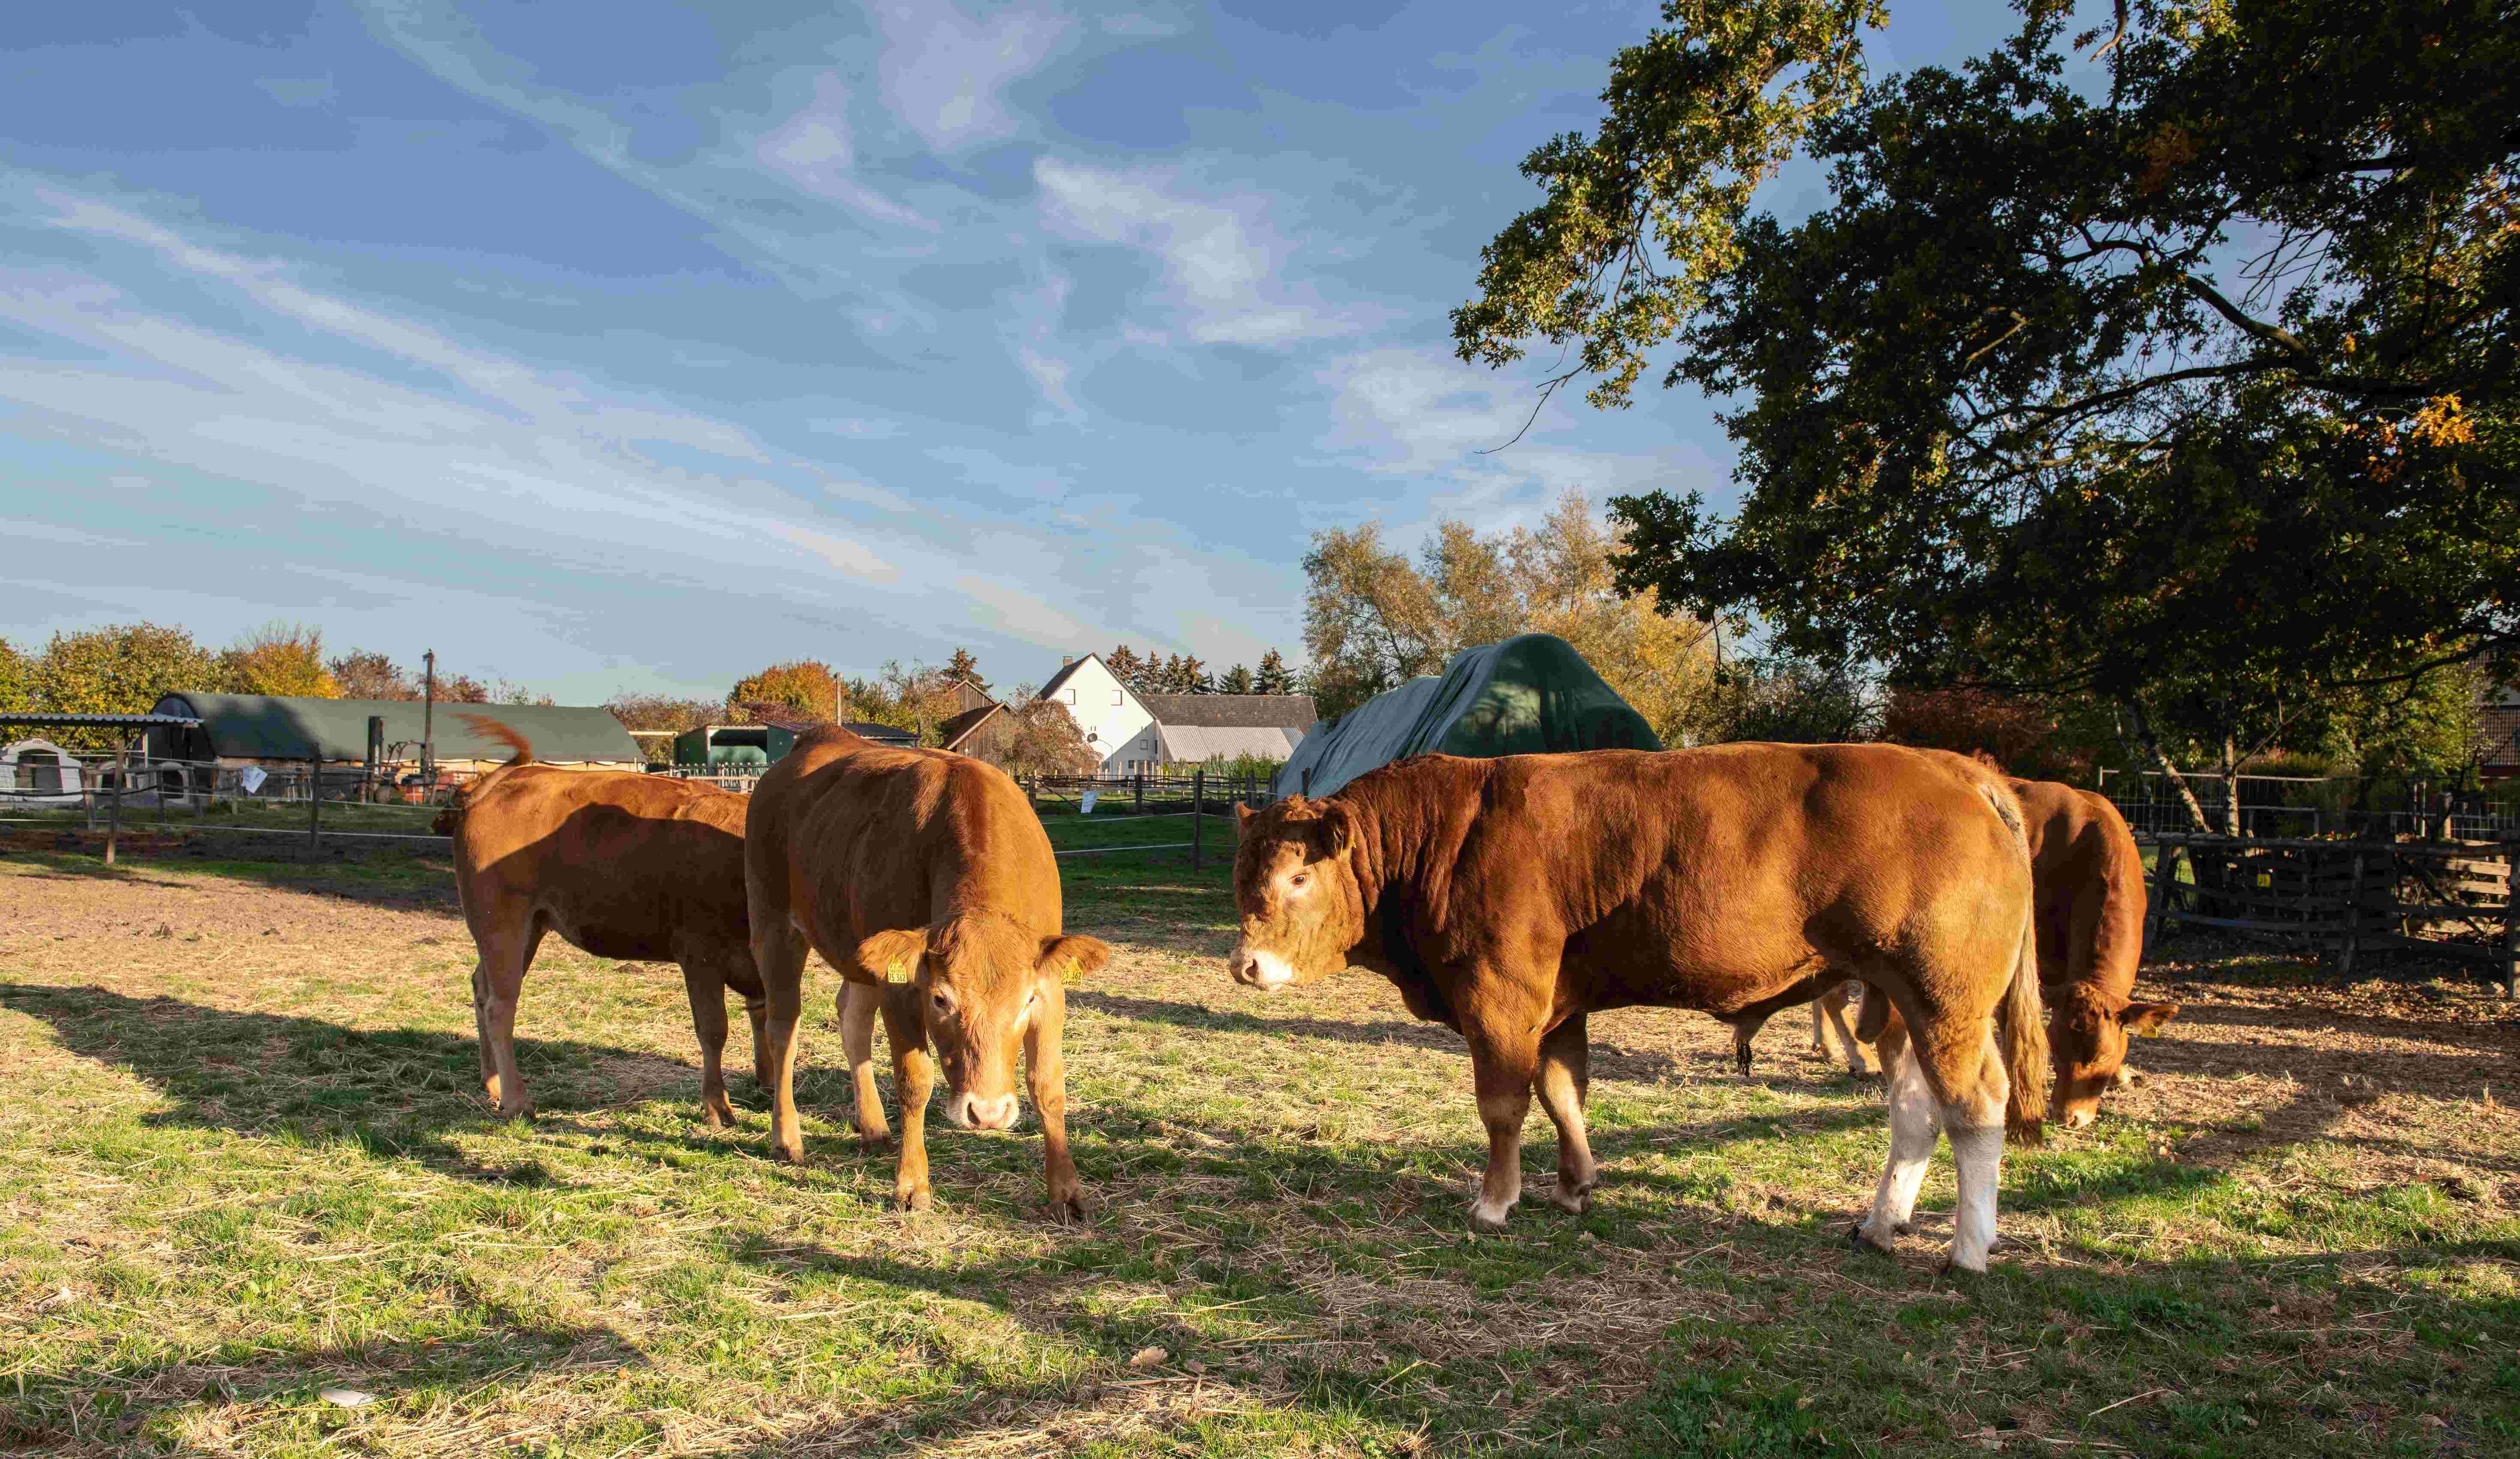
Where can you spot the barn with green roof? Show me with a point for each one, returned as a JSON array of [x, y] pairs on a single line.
[[251, 728]]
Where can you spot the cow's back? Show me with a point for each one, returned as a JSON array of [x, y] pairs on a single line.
[[2090, 874], [1690, 877], [623, 864], [862, 837]]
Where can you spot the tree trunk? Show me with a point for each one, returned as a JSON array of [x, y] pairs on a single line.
[[2170, 772], [2230, 786]]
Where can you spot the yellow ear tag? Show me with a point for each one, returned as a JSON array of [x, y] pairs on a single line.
[[898, 971], [1073, 974]]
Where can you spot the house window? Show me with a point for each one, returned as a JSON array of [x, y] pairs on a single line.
[[1069, 694], [1115, 696]]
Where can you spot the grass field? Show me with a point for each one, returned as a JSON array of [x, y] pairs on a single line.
[[248, 1162]]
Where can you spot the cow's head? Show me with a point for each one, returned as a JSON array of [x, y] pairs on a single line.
[[1296, 890], [981, 980], [2087, 1033]]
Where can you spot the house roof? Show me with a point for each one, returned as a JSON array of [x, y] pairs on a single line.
[[1190, 744], [954, 731], [1233, 711], [280, 726], [882, 734], [1068, 671]]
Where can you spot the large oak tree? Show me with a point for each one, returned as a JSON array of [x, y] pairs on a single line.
[[2184, 380]]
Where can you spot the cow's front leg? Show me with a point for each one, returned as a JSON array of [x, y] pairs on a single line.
[[1565, 1080], [914, 1078], [858, 1004], [1046, 1070], [1505, 1054]]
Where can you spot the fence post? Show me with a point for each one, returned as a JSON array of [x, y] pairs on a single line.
[[113, 808], [314, 802], [2352, 921], [1140, 808], [2511, 919], [1197, 820], [2157, 927]]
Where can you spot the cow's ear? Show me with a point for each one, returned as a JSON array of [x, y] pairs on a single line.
[[1338, 827], [2145, 1018], [1241, 822], [895, 953], [1073, 958]]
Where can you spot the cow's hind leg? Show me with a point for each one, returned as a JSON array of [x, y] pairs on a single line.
[[1566, 1081], [1975, 1119], [778, 957], [1916, 1122], [706, 987], [1833, 1005], [507, 950], [859, 1004], [914, 1077]]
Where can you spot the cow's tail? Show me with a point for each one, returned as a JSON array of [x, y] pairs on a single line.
[[489, 728], [2021, 1024]]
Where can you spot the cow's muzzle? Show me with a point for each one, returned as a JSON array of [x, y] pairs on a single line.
[[1253, 968], [969, 1112]]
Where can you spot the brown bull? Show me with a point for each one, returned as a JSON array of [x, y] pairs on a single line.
[[2090, 878], [1510, 898], [633, 866], [923, 877]]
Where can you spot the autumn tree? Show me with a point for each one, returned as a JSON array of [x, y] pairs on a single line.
[[645, 711], [280, 659], [1046, 740], [1123, 663], [363, 674], [1374, 619], [964, 666], [2190, 390], [807, 684], [16, 679], [1273, 678]]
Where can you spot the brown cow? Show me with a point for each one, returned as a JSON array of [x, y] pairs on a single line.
[[633, 866], [1509, 898], [925, 877], [2091, 898]]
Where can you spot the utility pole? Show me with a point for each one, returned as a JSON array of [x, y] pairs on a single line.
[[427, 719]]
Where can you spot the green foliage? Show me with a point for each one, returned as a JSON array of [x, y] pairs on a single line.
[[1237, 680], [16, 679], [2193, 395], [964, 666], [122, 668], [1785, 700]]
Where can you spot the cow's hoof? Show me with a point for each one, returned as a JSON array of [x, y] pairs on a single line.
[[1069, 1210], [1855, 1238], [916, 1197], [1952, 1268], [788, 1155], [1489, 1223], [875, 1139], [1573, 1201]]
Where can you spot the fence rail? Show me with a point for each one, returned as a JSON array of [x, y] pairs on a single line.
[[2344, 897]]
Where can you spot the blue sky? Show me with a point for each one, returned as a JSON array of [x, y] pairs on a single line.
[[626, 346]]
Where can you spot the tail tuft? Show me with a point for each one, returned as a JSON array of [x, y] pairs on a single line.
[[451, 819], [490, 729]]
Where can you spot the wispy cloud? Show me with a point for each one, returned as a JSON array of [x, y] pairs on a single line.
[[943, 70], [1224, 263], [813, 151]]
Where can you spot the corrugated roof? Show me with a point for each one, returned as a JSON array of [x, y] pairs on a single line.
[[33, 720], [882, 734], [279, 727], [1233, 711], [1190, 744]]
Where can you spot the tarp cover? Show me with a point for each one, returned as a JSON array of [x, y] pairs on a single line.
[[272, 727], [1530, 694]]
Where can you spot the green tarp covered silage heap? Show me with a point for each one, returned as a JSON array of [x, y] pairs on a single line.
[[1529, 696]]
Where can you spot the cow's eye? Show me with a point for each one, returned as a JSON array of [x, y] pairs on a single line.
[[943, 1003], [1299, 879]]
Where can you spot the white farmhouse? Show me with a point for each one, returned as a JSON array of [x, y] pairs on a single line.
[[1132, 731]]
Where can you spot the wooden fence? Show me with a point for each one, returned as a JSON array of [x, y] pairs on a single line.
[[2344, 897]]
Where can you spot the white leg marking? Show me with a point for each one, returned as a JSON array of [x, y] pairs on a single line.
[[1915, 1121], [1979, 1153], [1855, 1063]]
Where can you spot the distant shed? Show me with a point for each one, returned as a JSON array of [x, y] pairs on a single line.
[[251, 728], [720, 746]]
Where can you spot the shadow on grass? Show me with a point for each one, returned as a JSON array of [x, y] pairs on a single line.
[[113, 1408], [396, 878], [257, 1073]]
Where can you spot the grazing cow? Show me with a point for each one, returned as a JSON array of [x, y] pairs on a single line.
[[926, 878], [1511, 897], [2091, 898], [635, 867]]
